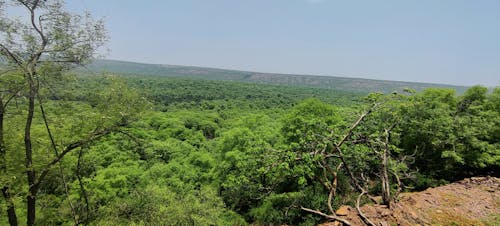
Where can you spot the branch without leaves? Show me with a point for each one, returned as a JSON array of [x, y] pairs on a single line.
[[365, 219], [13, 57], [326, 215], [344, 139]]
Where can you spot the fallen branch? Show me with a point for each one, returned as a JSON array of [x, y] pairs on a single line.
[[326, 215], [360, 213]]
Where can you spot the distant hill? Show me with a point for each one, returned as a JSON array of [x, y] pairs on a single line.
[[328, 82]]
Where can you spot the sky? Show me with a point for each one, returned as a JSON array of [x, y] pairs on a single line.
[[437, 41]]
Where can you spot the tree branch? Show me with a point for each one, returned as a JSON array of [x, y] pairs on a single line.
[[365, 219], [36, 56], [344, 139], [11, 55], [332, 193], [326, 215], [61, 172], [8, 100], [360, 119], [69, 148], [82, 187]]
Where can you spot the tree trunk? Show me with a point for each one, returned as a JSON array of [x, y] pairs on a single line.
[[11, 210], [30, 171], [31, 200], [386, 189], [2, 151]]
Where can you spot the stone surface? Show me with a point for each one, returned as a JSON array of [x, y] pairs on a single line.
[[342, 211], [474, 201]]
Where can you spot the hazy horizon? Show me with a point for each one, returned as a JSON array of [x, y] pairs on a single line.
[[280, 73], [446, 42]]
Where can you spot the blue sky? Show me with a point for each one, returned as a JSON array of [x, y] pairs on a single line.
[[445, 41]]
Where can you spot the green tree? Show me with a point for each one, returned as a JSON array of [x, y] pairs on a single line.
[[454, 136], [245, 161], [429, 130], [46, 40], [476, 121], [378, 137]]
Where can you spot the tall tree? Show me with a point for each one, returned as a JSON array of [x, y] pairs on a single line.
[[47, 38]]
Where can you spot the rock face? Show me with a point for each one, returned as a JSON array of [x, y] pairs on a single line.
[[343, 211], [473, 201]]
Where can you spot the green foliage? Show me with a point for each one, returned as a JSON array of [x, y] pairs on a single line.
[[310, 122], [222, 95], [157, 204], [246, 162], [197, 152], [453, 136]]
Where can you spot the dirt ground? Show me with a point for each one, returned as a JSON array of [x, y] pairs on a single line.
[[473, 201]]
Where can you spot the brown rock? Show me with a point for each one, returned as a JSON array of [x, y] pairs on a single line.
[[342, 211], [467, 202], [413, 214]]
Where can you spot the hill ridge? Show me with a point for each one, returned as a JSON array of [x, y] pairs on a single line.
[[209, 73]]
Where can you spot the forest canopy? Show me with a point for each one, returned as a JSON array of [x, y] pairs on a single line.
[[113, 149], [203, 154]]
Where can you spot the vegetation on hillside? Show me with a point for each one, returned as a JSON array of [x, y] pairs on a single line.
[[203, 153], [140, 150], [324, 82]]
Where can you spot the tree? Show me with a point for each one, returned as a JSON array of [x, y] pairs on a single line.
[[365, 149], [380, 133], [46, 41], [455, 137], [429, 129]]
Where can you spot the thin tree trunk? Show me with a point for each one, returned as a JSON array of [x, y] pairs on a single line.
[[30, 171], [2, 151], [11, 209], [82, 187], [386, 189], [61, 172]]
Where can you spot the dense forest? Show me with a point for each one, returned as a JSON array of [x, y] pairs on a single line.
[[200, 152], [123, 149]]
